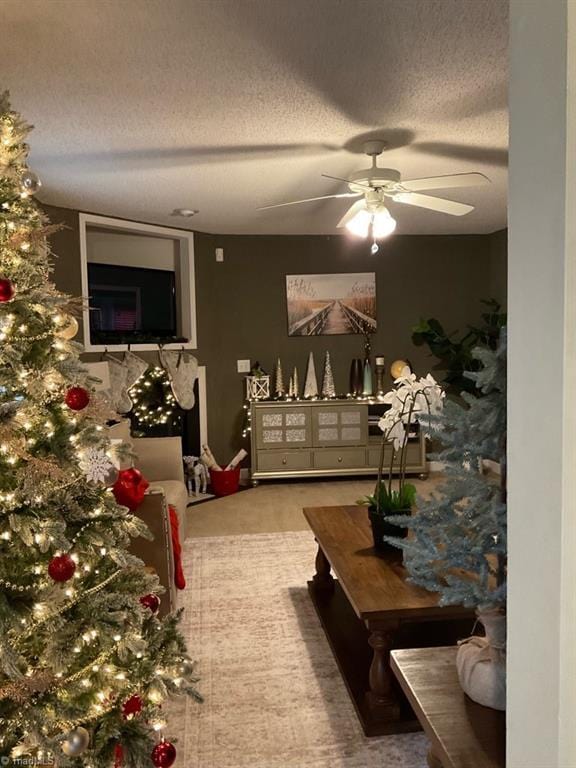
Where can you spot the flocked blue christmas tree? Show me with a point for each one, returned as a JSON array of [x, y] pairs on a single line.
[[457, 545]]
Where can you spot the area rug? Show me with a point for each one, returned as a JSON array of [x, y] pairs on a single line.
[[274, 697]]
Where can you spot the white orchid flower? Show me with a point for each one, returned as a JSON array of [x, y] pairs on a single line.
[[410, 401], [397, 435]]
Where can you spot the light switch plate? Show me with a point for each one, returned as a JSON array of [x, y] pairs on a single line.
[[243, 366], [219, 254]]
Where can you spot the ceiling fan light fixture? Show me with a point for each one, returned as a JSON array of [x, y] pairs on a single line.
[[359, 225], [379, 220], [382, 223]]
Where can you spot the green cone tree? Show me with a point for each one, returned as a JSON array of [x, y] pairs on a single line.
[[458, 542], [76, 644]]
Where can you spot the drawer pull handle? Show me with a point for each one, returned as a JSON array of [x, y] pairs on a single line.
[[284, 461], [340, 459]]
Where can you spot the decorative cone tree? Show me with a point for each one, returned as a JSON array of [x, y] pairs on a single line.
[[311, 383], [76, 642], [279, 388], [328, 388]]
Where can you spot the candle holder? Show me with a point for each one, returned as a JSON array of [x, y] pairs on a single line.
[[380, 369]]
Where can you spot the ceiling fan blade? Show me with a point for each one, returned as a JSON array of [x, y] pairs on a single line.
[[308, 200], [346, 181], [446, 182], [359, 205], [433, 203]]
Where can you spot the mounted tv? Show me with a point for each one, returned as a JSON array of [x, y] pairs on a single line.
[[130, 305]]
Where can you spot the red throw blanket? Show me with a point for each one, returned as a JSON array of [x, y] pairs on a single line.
[[179, 579]]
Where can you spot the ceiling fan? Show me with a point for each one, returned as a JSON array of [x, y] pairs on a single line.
[[376, 185]]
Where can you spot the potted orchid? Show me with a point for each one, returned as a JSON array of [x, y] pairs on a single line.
[[411, 402]]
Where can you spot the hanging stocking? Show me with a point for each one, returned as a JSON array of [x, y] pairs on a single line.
[[123, 375], [135, 367], [118, 390], [182, 369]]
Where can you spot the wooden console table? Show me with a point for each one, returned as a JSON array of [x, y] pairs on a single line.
[[371, 609], [462, 734], [320, 438]]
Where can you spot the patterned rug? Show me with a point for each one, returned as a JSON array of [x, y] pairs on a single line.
[[274, 696]]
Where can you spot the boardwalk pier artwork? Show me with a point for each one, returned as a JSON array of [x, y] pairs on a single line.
[[331, 304]]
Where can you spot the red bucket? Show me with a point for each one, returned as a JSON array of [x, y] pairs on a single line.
[[225, 481]]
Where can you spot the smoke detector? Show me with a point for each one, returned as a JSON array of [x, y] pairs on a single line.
[[187, 213]]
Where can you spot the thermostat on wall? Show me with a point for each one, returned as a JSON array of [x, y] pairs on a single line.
[[243, 366]]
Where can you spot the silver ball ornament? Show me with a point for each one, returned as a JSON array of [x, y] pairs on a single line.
[[77, 742], [30, 183]]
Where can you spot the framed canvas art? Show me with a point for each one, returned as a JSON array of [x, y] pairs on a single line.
[[326, 305]]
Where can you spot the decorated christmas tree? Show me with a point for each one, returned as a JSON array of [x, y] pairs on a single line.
[[85, 662], [458, 546]]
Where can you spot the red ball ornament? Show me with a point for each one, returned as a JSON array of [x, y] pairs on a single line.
[[132, 706], [77, 398], [152, 602], [164, 754], [129, 488], [6, 289], [61, 568]]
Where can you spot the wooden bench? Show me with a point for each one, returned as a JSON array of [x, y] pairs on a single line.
[[462, 734]]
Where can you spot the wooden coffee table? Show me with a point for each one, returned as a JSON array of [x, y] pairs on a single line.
[[371, 609]]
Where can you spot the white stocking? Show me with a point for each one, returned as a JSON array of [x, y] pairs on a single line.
[[182, 369], [123, 375], [135, 367], [121, 401]]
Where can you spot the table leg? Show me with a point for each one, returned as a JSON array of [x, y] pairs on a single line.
[[381, 699], [323, 579], [432, 759]]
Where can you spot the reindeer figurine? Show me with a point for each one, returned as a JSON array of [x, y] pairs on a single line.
[[196, 474]]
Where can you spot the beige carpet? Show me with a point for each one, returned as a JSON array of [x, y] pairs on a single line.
[[274, 696], [277, 506]]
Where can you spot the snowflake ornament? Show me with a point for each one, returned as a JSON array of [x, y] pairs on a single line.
[[96, 465]]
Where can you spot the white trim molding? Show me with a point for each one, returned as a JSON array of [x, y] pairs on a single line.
[[203, 405], [187, 298]]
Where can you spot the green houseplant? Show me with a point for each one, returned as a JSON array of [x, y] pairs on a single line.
[[410, 402], [456, 355]]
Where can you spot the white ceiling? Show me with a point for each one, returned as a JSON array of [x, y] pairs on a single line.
[[142, 106]]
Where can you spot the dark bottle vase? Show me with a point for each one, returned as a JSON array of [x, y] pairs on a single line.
[[356, 377]]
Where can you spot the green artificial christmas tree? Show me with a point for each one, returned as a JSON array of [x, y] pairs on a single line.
[[84, 661], [458, 543]]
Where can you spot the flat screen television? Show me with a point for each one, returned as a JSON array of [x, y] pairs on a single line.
[[130, 305]]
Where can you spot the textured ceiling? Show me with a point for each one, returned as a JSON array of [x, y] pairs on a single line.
[[142, 106]]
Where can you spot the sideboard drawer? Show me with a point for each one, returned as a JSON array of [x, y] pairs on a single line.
[[269, 461], [412, 455], [340, 458]]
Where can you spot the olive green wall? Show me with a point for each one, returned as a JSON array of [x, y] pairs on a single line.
[[241, 303], [499, 266]]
